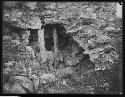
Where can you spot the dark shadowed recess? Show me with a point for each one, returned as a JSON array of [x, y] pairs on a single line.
[[63, 38], [33, 36]]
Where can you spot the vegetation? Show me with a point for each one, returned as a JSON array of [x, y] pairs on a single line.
[[85, 58]]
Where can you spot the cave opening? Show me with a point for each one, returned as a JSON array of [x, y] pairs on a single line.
[[63, 38], [33, 36]]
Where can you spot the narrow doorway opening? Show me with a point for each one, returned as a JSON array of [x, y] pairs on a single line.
[[48, 35]]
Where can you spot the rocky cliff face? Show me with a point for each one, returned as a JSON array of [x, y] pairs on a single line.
[[88, 23], [86, 39]]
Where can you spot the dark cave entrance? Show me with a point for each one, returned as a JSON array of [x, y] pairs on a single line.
[[33, 36], [63, 38]]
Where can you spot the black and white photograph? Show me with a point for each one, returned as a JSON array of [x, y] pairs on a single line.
[[10, 96], [61, 47]]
